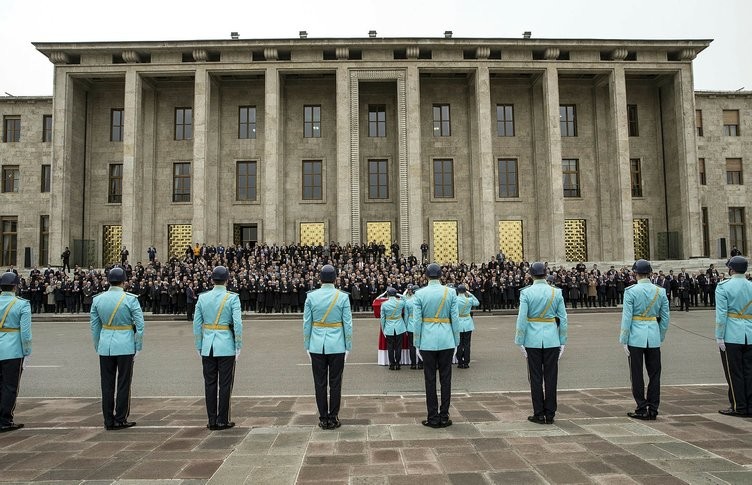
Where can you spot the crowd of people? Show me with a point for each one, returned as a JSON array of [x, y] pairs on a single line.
[[276, 279]]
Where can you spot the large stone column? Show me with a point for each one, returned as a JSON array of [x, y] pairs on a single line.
[[484, 224], [60, 209], [347, 107], [414, 163], [274, 212], [132, 202], [201, 98]]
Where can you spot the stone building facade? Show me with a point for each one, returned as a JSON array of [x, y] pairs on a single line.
[[562, 150]]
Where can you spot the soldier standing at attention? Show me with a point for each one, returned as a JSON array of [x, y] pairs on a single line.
[[327, 337], [218, 334], [733, 333], [393, 314], [15, 347], [542, 336], [436, 333], [465, 303], [415, 362], [117, 328], [644, 322]]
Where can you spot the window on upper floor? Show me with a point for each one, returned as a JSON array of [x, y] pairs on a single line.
[[505, 119], [312, 121], [377, 120], [116, 124], [47, 128], [184, 124], [632, 123], [246, 122], [11, 129], [731, 122], [568, 119], [441, 122]]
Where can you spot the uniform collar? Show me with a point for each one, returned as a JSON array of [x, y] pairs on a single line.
[[434, 282], [738, 275], [644, 281], [540, 282], [116, 288], [327, 285], [219, 288], [8, 293]]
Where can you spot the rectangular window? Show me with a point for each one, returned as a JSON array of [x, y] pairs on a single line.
[[734, 171], [116, 124], [183, 123], [246, 122], [505, 119], [11, 129], [312, 180], [377, 120], [47, 128], [698, 121], [635, 167], [568, 119], [312, 121], [181, 182], [441, 123], [632, 123], [115, 186], [246, 181], [378, 179], [11, 178], [508, 184], [46, 178], [705, 233], [44, 240], [731, 122], [443, 179], [703, 176], [8, 237], [738, 236], [570, 170]]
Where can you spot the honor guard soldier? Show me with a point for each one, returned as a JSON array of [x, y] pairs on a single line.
[[465, 303], [644, 322], [117, 328], [218, 333], [733, 333], [436, 334], [327, 337], [393, 314], [542, 335], [15, 347], [415, 362]]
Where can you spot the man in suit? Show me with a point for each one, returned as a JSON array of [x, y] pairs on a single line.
[[15, 347], [542, 336], [327, 338], [436, 333], [733, 333], [117, 328], [393, 313], [644, 323], [218, 335]]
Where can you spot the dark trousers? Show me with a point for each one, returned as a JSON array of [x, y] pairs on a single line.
[[543, 370], [413, 356], [116, 373], [10, 377], [652, 358], [441, 361], [327, 369], [219, 375], [463, 349], [394, 348], [737, 366]]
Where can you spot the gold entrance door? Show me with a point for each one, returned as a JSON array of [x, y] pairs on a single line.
[[380, 233], [312, 234], [112, 242], [641, 232], [510, 240], [179, 236], [445, 242], [575, 240]]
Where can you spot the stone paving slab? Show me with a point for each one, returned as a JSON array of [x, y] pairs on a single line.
[[381, 441]]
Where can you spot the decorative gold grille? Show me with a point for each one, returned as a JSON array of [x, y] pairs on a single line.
[[179, 236], [381, 233], [510, 240], [641, 232], [112, 242], [445, 241], [312, 233], [575, 240]]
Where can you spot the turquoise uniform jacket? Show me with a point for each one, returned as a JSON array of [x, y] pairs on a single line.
[[733, 310], [436, 323], [15, 334], [644, 304], [540, 306], [117, 323], [217, 323], [465, 304], [409, 305], [393, 315], [327, 321]]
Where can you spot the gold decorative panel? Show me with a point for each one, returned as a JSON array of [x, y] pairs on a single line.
[[312, 234], [445, 241], [641, 232], [179, 236], [381, 233], [112, 242], [575, 240], [510, 240]]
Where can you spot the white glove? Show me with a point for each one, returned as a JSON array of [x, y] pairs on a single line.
[[25, 362], [136, 355], [347, 353], [199, 353], [561, 351], [417, 354], [309, 356], [626, 350], [721, 344], [237, 354], [524, 351]]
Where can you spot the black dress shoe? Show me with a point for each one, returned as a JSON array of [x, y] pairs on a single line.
[[732, 412], [221, 426], [537, 419], [446, 423], [334, 423], [324, 424], [413, 366], [549, 420], [420, 366], [391, 367], [11, 427], [212, 426], [431, 424], [397, 367], [640, 415]]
